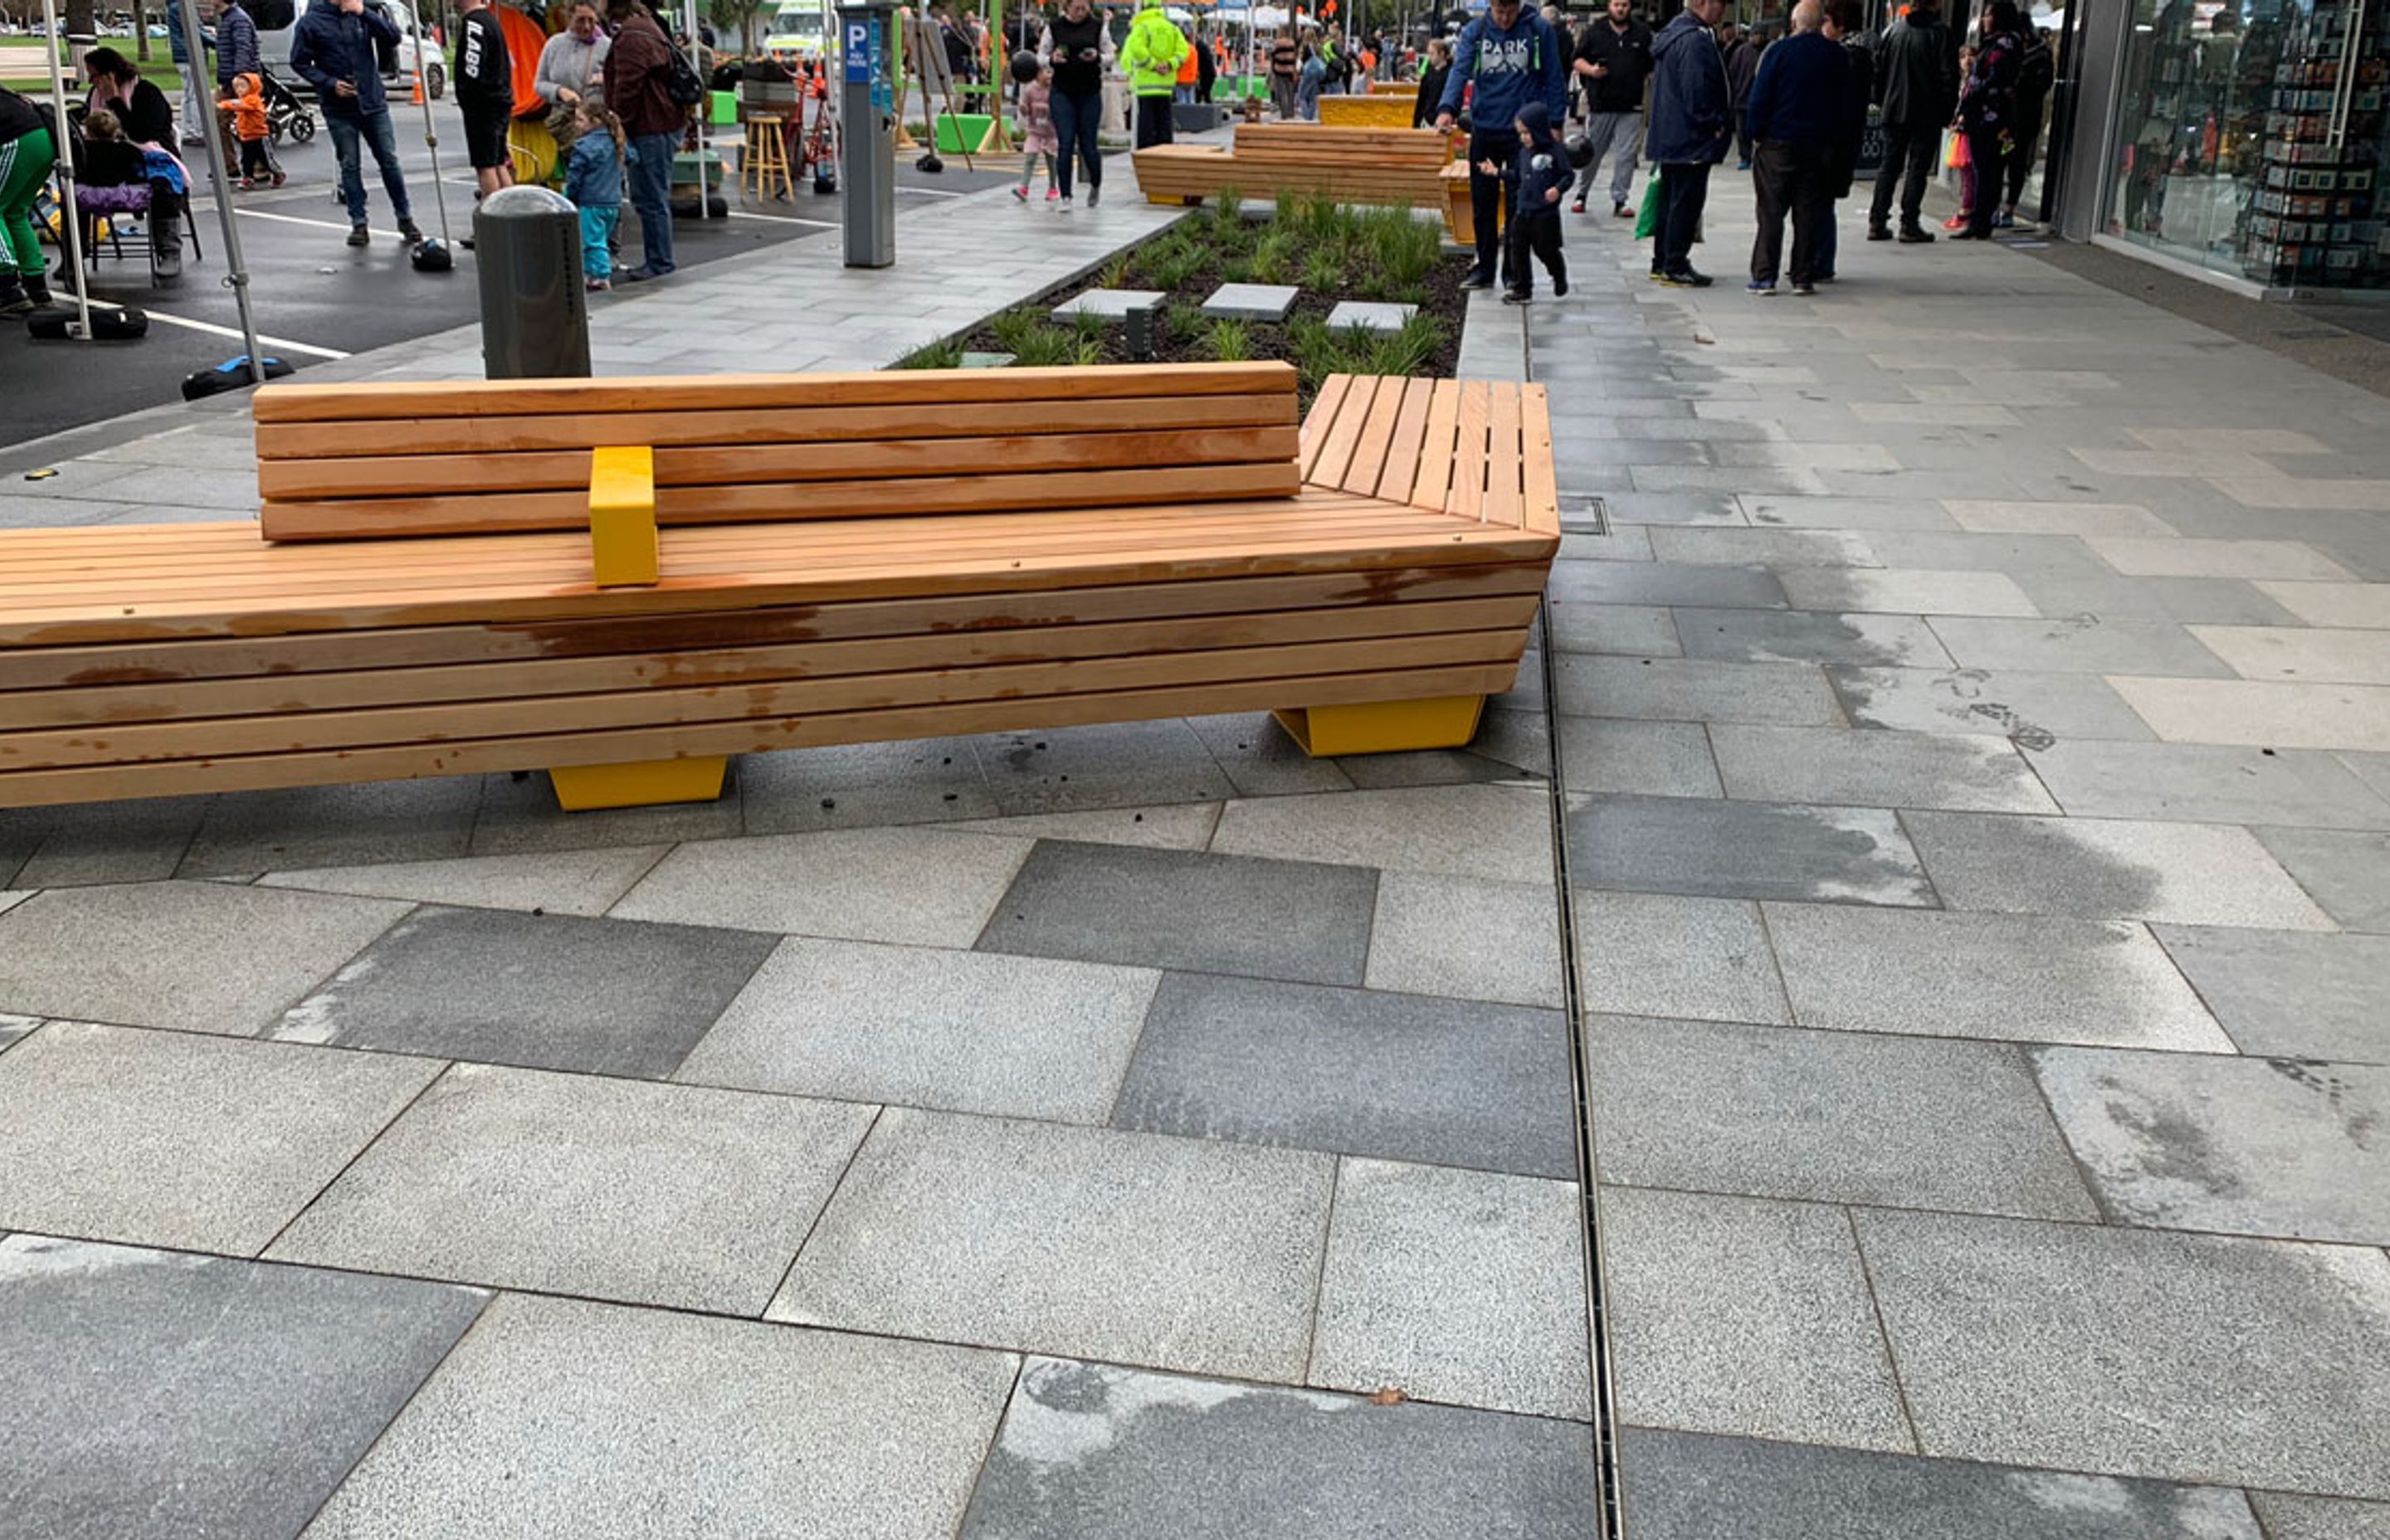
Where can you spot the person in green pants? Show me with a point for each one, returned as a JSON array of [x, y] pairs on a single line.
[[27, 152]]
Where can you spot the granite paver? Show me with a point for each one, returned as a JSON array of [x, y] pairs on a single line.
[[921, 887], [2290, 995]]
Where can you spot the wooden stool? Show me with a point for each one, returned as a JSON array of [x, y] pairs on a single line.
[[764, 159]]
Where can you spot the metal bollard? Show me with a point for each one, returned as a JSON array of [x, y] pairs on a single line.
[[534, 316]]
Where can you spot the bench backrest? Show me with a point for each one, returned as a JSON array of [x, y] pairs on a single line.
[[1312, 143], [352, 462]]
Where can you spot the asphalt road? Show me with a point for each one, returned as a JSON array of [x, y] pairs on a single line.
[[315, 297]]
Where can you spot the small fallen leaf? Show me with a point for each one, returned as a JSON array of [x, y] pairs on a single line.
[[1704, 339], [1387, 1396]]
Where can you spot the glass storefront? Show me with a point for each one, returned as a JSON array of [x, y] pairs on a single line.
[[2249, 139]]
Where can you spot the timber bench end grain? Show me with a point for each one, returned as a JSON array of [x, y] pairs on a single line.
[[625, 581]]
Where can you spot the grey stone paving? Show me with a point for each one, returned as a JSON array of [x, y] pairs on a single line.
[[1370, 316], [1112, 305], [1252, 302]]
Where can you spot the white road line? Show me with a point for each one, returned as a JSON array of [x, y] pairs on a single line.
[[319, 224], [932, 192], [786, 219], [233, 332]]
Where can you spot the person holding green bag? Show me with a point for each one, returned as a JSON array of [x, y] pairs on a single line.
[[1691, 127]]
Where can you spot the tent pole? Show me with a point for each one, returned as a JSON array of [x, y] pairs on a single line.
[[237, 274], [430, 135], [704, 114], [70, 215]]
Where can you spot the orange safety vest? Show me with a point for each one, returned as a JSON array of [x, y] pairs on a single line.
[[1188, 69]]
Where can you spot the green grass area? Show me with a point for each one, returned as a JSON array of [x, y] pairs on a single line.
[[159, 70]]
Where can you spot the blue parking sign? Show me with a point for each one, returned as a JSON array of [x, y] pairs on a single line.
[[859, 50]]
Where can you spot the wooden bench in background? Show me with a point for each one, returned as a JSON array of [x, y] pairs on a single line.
[[622, 582], [1399, 166], [1370, 111]]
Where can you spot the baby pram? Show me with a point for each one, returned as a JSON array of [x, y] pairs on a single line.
[[286, 115]]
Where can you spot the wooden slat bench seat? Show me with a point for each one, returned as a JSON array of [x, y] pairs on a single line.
[[1403, 167], [1374, 586]]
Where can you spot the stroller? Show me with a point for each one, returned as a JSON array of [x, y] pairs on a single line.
[[285, 113]]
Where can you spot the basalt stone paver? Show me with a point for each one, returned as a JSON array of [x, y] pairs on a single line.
[[1112, 305], [2290, 995], [2195, 873], [1634, 631], [329, 825], [1260, 759], [1902, 591], [1882, 769], [2035, 708], [546, 992], [1455, 1286], [964, 1031], [1193, 1254], [1719, 849], [1837, 1117], [2262, 713], [2206, 783], [1742, 1316], [2348, 874], [676, 1195], [1506, 948], [161, 1393], [1695, 1486], [14, 1027], [1656, 758], [1809, 636], [1103, 766], [181, 1138], [1171, 826], [864, 785], [1370, 316], [2294, 1516], [557, 882], [1663, 955], [1301, 920], [1250, 302], [2135, 1351], [559, 1416], [2229, 601], [199, 957], [2277, 1147], [1689, 689], [1089, 1452], [1502, 833], [141, 840], [918, 886], [1404, 1076], [1662, 583]]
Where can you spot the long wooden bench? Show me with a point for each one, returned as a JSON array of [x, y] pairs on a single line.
[[1370, 112], [434, 602], [1399, 166]]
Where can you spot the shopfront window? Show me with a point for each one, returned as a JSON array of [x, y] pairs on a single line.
[[2251, 140]]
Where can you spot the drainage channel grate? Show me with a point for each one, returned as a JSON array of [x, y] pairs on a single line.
[[1605, 1397], [1582, 515]]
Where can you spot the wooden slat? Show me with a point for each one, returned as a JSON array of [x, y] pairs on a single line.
[[109, 707], [393, 518], [254, 773], [1401, 470], [1468, 496], [1344, 433], [1317, 422], [381, 401], [143, 664], [663, 705], [1543, 500], [867, 459], [1432, 489], [1376, 442], [280, 441], [1505, 498]]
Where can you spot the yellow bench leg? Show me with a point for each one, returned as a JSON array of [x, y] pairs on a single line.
[[623, 545], [641, 783], [1383, 726]]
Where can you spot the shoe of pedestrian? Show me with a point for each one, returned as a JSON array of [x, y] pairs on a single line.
[[1560, 288], [1878, 232], [1825, 278], [1915, 234], [410, 232], [1688, 278], [1577, 207], [1518, 296], [1763, 289], [14, 301], [1620, 210], [279, 179], [1094, 195], [36, 286], [1805, 290], [1051, 195], [1477, 279], [1068, 204], [1970, 233], [359, 235], [248, 184], [1743, 165], [637, 274], [1957, 221], [2004, 220], [1022, 193], [466, 244], [597, 285]]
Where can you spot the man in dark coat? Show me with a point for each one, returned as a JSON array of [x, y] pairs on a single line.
[[1920, 89], [1796, 113], [1693, 125], [1614, 60], [1743, 52]]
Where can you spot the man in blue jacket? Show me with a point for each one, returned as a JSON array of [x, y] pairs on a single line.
[[1798, 101], [1692, 126], [1515, 57], [336, 49]]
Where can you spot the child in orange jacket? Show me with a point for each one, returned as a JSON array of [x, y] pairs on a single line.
[[247, 104]]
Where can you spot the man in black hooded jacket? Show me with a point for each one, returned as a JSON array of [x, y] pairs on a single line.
[[1921, 91]]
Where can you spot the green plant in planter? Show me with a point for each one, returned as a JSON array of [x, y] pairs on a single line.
[[932, 356], [1043, 347], [1405, 248], [1324, 270], [1014, 328], [1319, 351], [1088, 351], [1237, 270], [1274, 256], [1088, 325], [1115, 272], [1411, 350], [1228, 341]]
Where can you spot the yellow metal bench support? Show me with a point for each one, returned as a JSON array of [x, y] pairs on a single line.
[[624, 549], [641, 783], [1383, 726]]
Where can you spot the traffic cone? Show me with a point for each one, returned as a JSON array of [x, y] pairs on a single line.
[[417, 100]]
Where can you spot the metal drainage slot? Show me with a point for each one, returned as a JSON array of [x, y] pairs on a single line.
[[1584, 515]]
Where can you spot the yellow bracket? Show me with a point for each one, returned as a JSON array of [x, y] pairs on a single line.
[[622, 546], [641, 783], [1383, 726]]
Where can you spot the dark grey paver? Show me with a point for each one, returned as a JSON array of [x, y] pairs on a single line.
[[2272, 1146], [162, 1395], [2198, 874], [1658, 759], [861, 785], [1975, 771], [2013, 554], [1663, 955], [138, 840], [1905, 590], [1713, 848], [547, 992], [559, 1416], [2033, 708], [1805, 636], [1284, 920], [2294, 1516], [666, 1195], [2021, 977], [1667, 584], [1743, 1316], [200, 957], [1106, 765], [2219, 601], [1252, 302], [2080, 644], [181, 1138], [1697, 1486], [1193, 1254], [334, 825], [2348, 874], [1837, 1117], [1456, 1286], [2129, 1351], [1690, 689], [558, 882], [1260, 759], [1501, 832], [967, 1032], [1091, 1452], [1630, 630], [2207, 783], [1403, 1076], [2288, 994]]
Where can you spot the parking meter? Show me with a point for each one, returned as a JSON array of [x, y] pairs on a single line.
[[868, 109]]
